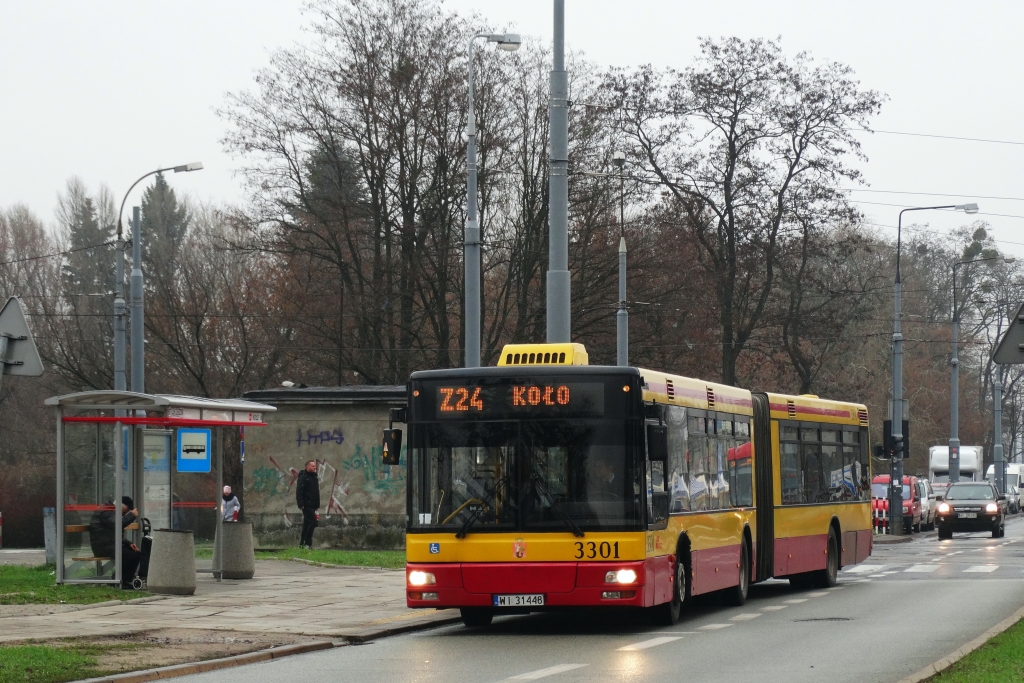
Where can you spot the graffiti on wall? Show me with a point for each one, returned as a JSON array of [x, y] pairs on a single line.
[[358, 477]]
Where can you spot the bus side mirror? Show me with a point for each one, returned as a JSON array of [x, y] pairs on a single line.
[[659, 506], [392, 446], [657, 442]]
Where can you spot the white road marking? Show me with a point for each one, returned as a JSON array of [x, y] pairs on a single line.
[[550, 671], [982, 568], [887, 573], [877, 576], [864, 568], [653, 642], [836, 588], [796, 601], [773, 608], [744, 617], [862, 581], [714, 627], [921, 569], [817, 594]]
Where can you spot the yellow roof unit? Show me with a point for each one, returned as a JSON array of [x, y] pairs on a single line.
[[543, 354]]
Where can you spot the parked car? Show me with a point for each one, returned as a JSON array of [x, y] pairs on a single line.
[[972, 506], [911, 501], [928, 504], [1012, 500]]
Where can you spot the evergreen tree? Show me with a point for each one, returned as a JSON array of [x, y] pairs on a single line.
[[90, 269], [164, 224]]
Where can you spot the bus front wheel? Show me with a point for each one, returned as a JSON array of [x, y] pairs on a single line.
[[667, 614], [476, 616]]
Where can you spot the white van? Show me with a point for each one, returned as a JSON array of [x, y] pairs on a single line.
[[970, 464], [1014, 471]]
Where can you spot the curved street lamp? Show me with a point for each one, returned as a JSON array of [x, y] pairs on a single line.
[[120, 343], [471, 249], [954, 377], [896, 462]]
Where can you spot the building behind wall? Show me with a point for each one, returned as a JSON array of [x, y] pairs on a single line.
[[362, 501]]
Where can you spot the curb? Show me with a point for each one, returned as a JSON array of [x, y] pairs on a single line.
[[212, 664], [958, 654], [891, 540], [265, 655], [313, 563]]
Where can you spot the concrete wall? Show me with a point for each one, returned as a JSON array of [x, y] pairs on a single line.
[[362, 502]]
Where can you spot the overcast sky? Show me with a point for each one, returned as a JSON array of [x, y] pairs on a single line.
[[109, 90]]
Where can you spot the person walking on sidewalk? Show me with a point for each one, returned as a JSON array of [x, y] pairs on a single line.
[[230, 506], [307, 497]]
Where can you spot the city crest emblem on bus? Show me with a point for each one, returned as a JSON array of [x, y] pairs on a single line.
[[519, 548]]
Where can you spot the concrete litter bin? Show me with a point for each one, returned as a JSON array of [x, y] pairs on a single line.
[[239, 556], [172, 564]]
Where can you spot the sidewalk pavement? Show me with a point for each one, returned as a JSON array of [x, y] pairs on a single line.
[[29, 557], [337, 603]]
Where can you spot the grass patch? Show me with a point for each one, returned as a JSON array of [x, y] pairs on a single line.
[[389, 559], [36, 585], [996, 661], [50, 664]]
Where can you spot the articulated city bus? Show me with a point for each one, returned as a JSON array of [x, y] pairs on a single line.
[[545, 483]]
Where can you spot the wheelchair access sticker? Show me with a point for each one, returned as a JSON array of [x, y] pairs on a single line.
[[435, 548]]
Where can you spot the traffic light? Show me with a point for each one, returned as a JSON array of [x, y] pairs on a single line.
[[392, 447], [892, 450]]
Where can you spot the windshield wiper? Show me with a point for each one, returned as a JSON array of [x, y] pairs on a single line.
[[557, 507], [461, 533]]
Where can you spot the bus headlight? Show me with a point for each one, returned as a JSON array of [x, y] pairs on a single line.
[[418, 578], [620, 576]]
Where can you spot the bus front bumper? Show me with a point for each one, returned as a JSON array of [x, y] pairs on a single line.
[[560, 584]]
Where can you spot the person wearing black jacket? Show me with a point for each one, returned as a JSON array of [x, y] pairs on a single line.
[[101, 538], [307, 497]]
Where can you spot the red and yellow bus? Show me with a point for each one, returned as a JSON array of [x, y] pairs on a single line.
[[545, 483]]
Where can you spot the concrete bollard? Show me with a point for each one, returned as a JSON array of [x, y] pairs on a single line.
[[50, 534], [239, 556], [172, 563]]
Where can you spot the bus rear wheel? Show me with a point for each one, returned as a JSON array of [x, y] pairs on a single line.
[[737, 595], [828, 577], [476, 616]]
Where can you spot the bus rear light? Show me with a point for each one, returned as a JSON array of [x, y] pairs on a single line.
[[418, 578], [620, 576]]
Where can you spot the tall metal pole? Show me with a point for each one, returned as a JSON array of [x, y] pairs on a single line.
[[471, 253], [954, 394], [997, 444], [622, 316], [559, 292], [896, 469], [120, 334], [137, 321]]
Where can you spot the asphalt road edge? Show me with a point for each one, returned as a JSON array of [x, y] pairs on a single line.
[[961, 652], [265, 655], [212, 664]]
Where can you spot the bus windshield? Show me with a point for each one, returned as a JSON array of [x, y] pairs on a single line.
[[569, 474]]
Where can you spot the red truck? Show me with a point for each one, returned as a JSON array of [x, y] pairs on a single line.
[[880, 504]]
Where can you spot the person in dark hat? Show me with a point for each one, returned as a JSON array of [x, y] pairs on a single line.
[[101, 538]]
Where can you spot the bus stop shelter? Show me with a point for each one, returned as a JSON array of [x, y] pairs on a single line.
[[164, 451]]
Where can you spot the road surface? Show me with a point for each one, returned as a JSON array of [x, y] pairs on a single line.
[[907, 606]]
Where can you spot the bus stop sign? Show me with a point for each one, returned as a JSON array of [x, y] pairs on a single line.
[[1011, 348]]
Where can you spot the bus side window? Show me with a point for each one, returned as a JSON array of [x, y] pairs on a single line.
[[852, 474], [697, 441], [677, 484], [814, 488]]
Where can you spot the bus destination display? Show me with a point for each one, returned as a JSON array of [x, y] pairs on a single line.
[[509, 400]]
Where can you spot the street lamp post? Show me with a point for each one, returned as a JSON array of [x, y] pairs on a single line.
[[622, 315], [471, 253], [954, 378], [138, 353], [896, 463]]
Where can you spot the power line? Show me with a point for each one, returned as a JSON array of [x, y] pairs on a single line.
[[940, 137], [59, 253], [934, 194]]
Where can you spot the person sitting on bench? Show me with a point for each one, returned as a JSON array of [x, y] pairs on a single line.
[[101, 538]]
